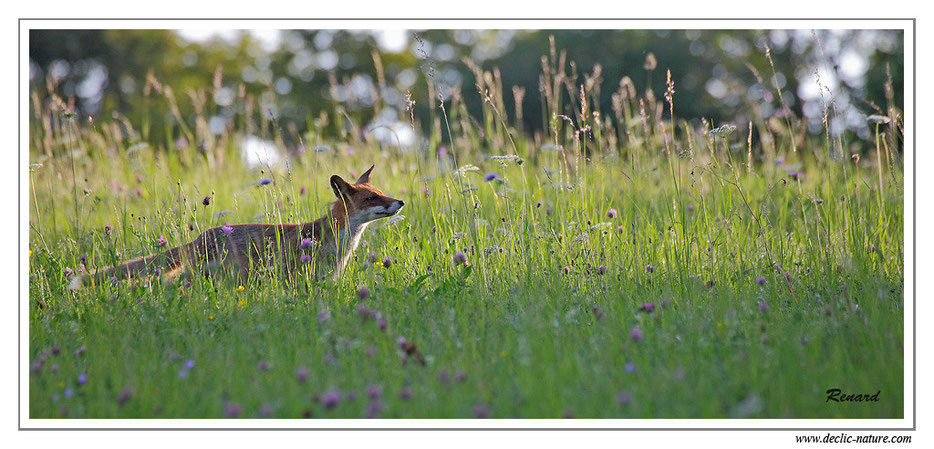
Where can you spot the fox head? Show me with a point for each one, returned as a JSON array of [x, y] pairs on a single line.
[[361, 201]]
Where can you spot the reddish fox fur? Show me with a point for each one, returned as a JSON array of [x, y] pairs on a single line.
[[244, 248]]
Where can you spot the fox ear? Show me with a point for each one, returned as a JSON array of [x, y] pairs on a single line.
[[341, 188], [365, 177]]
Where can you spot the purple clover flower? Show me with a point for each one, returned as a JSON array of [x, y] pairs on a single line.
[[363, 292], [364, 312], [597, 312], [374, 391], [460, 259], [161, 241], [190, 364], [232, 410], [636, 334], [490, 176], [206, 201], [125, 396], [647, 307], [331, 399], [601, 269], [481, 411], [36, 366], [301, 375], [623, 397], [387, 262], [761, 280], [305, 258], [82, 379], [227, 229], [373, 409], [405, 394], [630, 368], [650, 268], [306, 243], [763, 307], [611, 213]]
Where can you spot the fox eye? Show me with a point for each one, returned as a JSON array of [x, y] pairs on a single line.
[[372, 198]]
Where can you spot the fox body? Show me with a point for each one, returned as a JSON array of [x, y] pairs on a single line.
[[326, 243]]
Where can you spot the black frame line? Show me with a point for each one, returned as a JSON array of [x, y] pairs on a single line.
[[914, 230]]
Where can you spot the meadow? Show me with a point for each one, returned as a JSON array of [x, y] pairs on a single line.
[[621, 264]]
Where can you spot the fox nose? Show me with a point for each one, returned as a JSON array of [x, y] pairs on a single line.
[[401, 203]]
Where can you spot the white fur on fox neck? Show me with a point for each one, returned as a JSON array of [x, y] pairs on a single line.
[[349, 236]]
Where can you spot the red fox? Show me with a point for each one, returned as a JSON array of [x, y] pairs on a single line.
[[327, 243]]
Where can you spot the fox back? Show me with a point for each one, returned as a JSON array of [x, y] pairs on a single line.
[[326, 243]]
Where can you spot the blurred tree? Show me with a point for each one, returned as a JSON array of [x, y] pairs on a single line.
[[332, 82]]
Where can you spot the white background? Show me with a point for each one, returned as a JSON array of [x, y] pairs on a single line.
[[169, 8]]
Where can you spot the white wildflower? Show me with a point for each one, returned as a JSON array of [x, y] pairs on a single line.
[[462, 171], [393, 221], [137, 147], [876, 118]]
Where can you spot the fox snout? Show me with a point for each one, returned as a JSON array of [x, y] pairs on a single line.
[[387, 210]]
